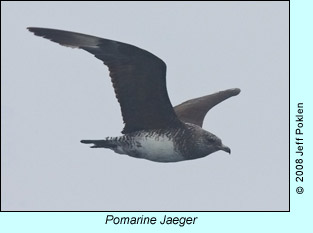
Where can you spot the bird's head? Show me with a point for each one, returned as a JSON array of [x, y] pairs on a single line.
[[211, 143]]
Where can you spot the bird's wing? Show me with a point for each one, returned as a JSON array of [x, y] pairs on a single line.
[[138, 77], [194, 110]]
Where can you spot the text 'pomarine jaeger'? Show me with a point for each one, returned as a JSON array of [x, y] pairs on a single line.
[[154, 130]]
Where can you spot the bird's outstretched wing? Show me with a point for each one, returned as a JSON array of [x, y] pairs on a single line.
[[194, 110], [137, 75]]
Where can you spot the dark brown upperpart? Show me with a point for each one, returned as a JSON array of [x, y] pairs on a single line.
[[194, 110], [138, 78], [139, 81]]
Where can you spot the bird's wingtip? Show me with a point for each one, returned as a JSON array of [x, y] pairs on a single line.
[[31, 29], [236, 91]]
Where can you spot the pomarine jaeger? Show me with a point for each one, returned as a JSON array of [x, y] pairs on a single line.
[[153, 130]]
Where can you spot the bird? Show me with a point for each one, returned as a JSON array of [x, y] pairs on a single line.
[[153, 129]]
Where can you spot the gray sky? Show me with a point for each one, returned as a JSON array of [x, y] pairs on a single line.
[[52, 97]]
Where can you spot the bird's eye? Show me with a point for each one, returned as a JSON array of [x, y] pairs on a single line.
[[210, 140]]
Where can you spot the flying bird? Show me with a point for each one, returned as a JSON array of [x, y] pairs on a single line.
[[153, 130]]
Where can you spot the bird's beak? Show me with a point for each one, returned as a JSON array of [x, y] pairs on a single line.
[[225, 148]]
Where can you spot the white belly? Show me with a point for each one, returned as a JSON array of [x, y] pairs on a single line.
[[159, 149]]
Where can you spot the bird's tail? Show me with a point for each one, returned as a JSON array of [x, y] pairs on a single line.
[[99, 143]]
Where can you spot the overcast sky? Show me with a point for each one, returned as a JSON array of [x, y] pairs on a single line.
[[53, 96]]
